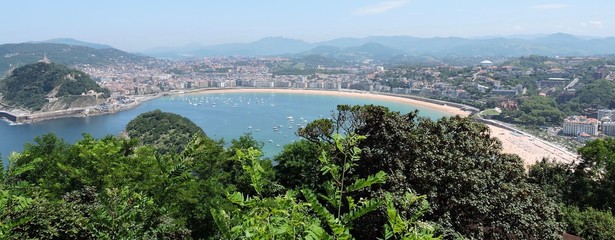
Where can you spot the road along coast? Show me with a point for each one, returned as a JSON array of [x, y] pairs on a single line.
[[21, 116]]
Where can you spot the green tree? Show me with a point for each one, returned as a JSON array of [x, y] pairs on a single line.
[[594, 184], [12, 199], [472, 186], [208, 162], [555, 178], [296, 167], [239, 178], [57, 169], [597, 94], [260, 217], [535, 110], [583, 189], [168, 132], [125, 214], [589, 223]]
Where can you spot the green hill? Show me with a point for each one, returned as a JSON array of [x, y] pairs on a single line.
[[169, 132], [35, 85], [19, 54]]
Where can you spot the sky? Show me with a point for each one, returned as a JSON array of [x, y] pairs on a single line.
[[137, 25]]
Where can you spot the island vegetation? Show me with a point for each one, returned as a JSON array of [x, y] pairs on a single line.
[[167, 132], [36, 85], [442, 179]]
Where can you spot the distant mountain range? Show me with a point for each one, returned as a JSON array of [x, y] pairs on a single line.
[[75, 42], [386, 47], [65, 51]]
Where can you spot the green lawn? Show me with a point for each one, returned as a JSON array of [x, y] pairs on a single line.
[[490, 112]]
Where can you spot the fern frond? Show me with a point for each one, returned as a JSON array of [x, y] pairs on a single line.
[[378, 178], [363, 208]]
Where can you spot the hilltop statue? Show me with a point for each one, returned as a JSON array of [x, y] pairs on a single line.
[[45, 59]]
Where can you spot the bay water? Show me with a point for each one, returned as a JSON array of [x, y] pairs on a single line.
[[272, 118]]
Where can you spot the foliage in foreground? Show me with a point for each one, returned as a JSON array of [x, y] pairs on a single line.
[[585, 189], [117, 188], [473, 188], [319, 216], [589, 223]]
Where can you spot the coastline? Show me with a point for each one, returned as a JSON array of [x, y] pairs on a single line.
[[529, 148], [26, 118]]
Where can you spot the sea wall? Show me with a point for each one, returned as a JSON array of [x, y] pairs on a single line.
[[53, 115], [34, 117]]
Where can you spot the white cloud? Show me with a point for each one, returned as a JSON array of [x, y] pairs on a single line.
[[381, 7], [594, 24], [551, 6]]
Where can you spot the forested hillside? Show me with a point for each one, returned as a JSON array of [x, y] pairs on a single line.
[[32, 85], [390, 176], [19, 54]]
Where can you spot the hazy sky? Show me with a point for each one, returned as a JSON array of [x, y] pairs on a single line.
[[135, 25]]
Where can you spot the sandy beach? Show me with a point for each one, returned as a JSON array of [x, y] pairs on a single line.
[[529, 148]]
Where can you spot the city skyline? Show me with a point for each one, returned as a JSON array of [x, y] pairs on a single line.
[[141, 25]]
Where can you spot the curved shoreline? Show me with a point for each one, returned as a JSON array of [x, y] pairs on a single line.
[[529, 148], [448, 109]]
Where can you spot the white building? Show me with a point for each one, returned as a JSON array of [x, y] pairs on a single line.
[[606, 113], [608, 128], [575, 125], [486, 63]]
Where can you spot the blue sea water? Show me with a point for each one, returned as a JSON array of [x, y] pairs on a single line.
[[272, 118]]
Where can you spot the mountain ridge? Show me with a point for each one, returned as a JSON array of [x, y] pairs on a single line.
[[548, 44], [17, 54], [72, 41]]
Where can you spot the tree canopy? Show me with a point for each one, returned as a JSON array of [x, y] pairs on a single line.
[[473, 187], [29, 86], [366, 173], [597, 94], [585, 189], [535, 110], [168, 132]]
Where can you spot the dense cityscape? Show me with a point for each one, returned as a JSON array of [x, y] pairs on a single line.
[[484, 85]]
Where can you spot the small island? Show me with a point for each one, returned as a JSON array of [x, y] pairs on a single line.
[[168, 132]]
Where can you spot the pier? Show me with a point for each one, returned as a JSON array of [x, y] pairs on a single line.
[[12, 118]]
